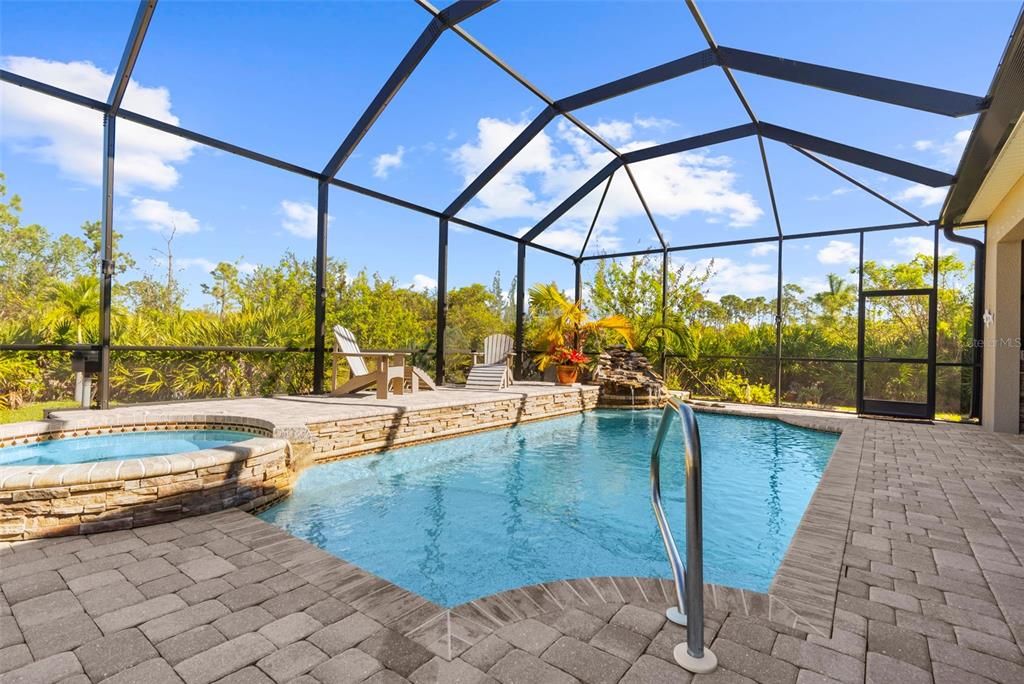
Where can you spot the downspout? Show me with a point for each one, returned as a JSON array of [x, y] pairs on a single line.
[[979, 313]]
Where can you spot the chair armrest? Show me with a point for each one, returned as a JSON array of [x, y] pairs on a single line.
[[370, 355]]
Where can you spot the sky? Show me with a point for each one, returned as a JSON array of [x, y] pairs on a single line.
[[290, 79]]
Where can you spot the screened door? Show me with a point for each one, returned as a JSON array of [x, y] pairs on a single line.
[[896, 369]]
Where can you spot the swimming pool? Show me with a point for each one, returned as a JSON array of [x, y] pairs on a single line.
[[115, 447], [558, 499]]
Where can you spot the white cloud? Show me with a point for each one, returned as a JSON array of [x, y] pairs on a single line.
[[614, 131], [570, 239], [924, 195], [654, 122], [208, 266], [507, 195], [422, 283], [71, 137], [196, 262], [838, 192], [382, 164], [159, 216], [733, 277], [299, 218], [552, 166], [691, 182], [839, 252], [764, 248], [619, 131], [813, 285], [948, 152], [913, 245]]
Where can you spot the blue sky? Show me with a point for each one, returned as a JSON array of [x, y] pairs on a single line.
[[290, 78]]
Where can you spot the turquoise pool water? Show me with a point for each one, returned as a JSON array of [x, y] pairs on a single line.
[[558, 499], [118, 446]]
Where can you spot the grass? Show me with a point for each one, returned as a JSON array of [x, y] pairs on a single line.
[[33, 411]]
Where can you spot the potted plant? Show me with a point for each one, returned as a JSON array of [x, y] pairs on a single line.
[[566, 328], [568, 369]]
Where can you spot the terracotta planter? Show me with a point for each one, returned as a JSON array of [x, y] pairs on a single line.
[[567, 374]]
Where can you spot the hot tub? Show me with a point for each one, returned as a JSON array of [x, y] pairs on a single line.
[[59, 478]]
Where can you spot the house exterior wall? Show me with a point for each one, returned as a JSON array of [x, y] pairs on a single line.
[[1002, 400]]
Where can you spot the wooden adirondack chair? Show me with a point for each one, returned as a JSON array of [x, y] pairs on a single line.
[[495, 372], [390, 374]]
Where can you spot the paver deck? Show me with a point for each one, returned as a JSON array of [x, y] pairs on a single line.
[[930, 588]]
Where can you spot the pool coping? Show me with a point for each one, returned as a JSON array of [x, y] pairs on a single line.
[[449, 632], [807, 579]]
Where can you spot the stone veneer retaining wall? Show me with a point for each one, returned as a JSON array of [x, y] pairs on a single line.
[[45, 501], [353, 436]]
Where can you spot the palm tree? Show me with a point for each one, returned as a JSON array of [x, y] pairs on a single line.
[[839, 297], [566, 324], [74, 304]]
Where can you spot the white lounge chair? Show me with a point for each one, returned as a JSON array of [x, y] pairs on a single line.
[[495, 372], [390, 375]]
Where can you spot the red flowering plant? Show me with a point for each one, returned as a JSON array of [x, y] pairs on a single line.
[[567, 356]]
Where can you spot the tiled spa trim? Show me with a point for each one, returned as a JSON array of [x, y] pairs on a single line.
[[18, 434]]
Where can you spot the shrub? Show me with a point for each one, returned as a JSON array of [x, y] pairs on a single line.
[[734, 387]]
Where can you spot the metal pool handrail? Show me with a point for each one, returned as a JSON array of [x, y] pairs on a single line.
[[689, 578]]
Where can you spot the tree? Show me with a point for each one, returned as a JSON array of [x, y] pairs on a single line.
[[49, 292], [633, 288], [474, 312], [383, 315], [836, 308], [173, 295], [839, 298], [75, 306], [94, 235], [225, 289], [30, 259]]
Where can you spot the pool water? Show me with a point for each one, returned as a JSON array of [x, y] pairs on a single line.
[[558, 499], [117, 447]]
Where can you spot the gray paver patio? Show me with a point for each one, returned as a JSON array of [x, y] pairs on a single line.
[[930, 588]]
